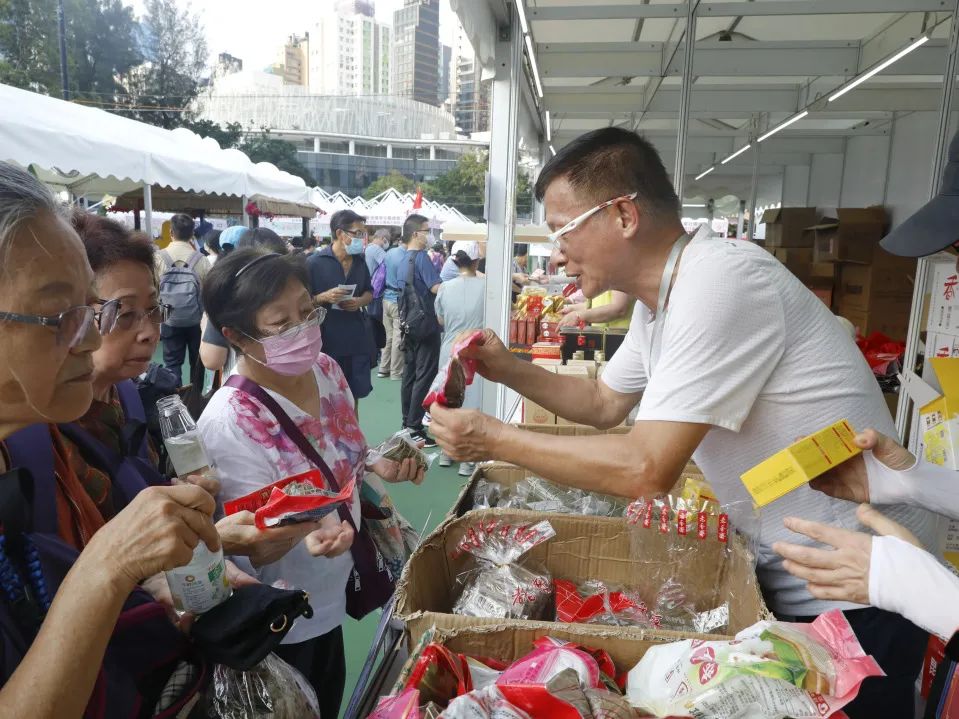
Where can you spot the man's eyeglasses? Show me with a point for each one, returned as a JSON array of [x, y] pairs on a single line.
[[555, 237], [358, 234], [133, 319], [72, 325]]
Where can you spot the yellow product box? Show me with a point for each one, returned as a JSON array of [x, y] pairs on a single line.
[[939, 418], [800, 462]]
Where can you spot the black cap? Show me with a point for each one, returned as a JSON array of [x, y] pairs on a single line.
[[934, 226]]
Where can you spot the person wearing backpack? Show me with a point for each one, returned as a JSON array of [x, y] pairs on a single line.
[[421, 331], [181, 268]]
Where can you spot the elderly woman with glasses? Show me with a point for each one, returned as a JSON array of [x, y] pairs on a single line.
[[68, 579], [262, 304]]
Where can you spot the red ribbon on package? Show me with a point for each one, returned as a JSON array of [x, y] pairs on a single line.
[[450, 384]]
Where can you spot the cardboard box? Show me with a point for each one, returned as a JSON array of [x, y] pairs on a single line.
[[889, 316], [944, 299], [785, 225], [852, 236], [800, 462], [823, 270], [532, 412], [941, 345], [583, 548], [861, 286], [822, 290], [590, 365]]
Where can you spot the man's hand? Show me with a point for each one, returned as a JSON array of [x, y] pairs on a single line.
[[350, 305], [493, 358], [408, 470], [849, 480], [841, 573], [240, 536], [571, 319], [465, 435]]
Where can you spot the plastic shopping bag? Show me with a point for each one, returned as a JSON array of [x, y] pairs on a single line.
[[271, 690]]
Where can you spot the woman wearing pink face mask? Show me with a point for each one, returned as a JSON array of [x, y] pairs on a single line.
[[261, 303]]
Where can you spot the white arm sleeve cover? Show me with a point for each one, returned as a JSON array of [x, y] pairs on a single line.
[[911, 582], [926, 485]]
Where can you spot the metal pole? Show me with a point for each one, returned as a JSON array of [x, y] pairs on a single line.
[[904, 410], [148, 209], [754, 190], [742, 217], [679, 171], [243, 203], [62, 31], [501, 208]]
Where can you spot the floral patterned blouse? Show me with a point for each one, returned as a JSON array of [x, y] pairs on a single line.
[[246, 444]]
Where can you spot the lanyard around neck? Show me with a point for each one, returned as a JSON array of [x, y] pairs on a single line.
[[665, 287]]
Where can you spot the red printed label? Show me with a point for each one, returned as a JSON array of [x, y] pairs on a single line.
[[702, 522], [723, 527], [648, 516], [681, 522], [664, 519], [707, 671]]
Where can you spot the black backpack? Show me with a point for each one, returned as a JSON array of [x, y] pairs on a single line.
[[416, 321]]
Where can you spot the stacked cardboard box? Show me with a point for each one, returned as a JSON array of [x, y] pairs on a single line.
[[788, 239]]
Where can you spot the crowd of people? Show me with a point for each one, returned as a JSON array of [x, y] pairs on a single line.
[[90, 516]]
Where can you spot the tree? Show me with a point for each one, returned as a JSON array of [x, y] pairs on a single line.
[[401, 183], [174, 50], [260, 147], [229, 136], [101, 46]]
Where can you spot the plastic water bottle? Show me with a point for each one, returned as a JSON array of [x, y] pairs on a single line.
[[202, 584]]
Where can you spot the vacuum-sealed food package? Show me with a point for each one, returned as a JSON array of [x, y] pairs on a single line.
[[401, 446], [271, 690], [449, 387], [772, 670], [500, 585], [301, 498]]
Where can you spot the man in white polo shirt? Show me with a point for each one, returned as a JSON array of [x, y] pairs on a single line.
[[729, 357]]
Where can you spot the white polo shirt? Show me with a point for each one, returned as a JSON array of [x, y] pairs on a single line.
[[748, 349]]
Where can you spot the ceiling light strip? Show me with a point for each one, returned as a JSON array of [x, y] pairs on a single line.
[[879, 68], [736, 154], [703, 174], [784, 125], [549, 129]]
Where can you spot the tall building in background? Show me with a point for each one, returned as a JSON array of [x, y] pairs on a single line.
[[471, 94], [226, 64], [416, 50], [350, 51], [444, 74], [293, 63]]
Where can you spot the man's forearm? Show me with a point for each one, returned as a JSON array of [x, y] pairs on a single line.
[[610, 464]]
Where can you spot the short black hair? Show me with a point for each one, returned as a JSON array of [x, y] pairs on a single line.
[[262, 238], [520, 250], [181, 227], [610, 162], [211, 240], [461, 259], [414, 223], [233, 302], [342, 219]]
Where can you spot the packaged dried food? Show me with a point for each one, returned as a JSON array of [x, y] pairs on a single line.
[[399, 447], [301, 498], [772, 670], [449, 387], [271, 690], [499, 585]]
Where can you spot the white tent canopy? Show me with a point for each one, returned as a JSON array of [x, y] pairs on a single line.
[[90, 151]]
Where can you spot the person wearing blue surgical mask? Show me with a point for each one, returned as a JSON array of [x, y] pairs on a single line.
[[340, 281]]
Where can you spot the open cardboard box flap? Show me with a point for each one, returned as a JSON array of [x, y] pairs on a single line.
[[583, 548]]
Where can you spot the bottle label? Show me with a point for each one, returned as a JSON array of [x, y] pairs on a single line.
[[187, 453], [199, 588]]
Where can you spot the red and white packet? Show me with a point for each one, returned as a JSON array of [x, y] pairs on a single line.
[[272, 507], [456, 376]]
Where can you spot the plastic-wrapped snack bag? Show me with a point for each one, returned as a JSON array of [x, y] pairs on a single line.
[[440, 675], [399, 447], [500, 587], [772, 670], [541, 495], [300, 498], [271, 690], [449, 387], [487, 495]]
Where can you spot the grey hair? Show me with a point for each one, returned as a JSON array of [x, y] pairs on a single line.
[[22, 198]]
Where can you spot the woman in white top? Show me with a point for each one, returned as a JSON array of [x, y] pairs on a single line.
[[459, 308], [890, 570], [261, 303]]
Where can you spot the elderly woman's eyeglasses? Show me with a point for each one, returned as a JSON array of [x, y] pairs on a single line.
[[72, 325], [290, 331], [133, 319]]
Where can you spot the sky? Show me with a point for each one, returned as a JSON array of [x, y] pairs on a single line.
[[254, 31]]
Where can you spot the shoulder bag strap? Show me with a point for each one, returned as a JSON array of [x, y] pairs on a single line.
[[167, 260], [32, 449], [409, 274]]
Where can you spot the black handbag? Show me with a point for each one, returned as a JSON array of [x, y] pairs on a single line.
[[244, 629]]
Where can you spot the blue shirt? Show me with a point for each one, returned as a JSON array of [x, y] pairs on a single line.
[[395, 274], [425, 277], [374, 257], [345, 334], [450, 271]]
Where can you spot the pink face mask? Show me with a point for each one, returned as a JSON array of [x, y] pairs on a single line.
[[293, 356]]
